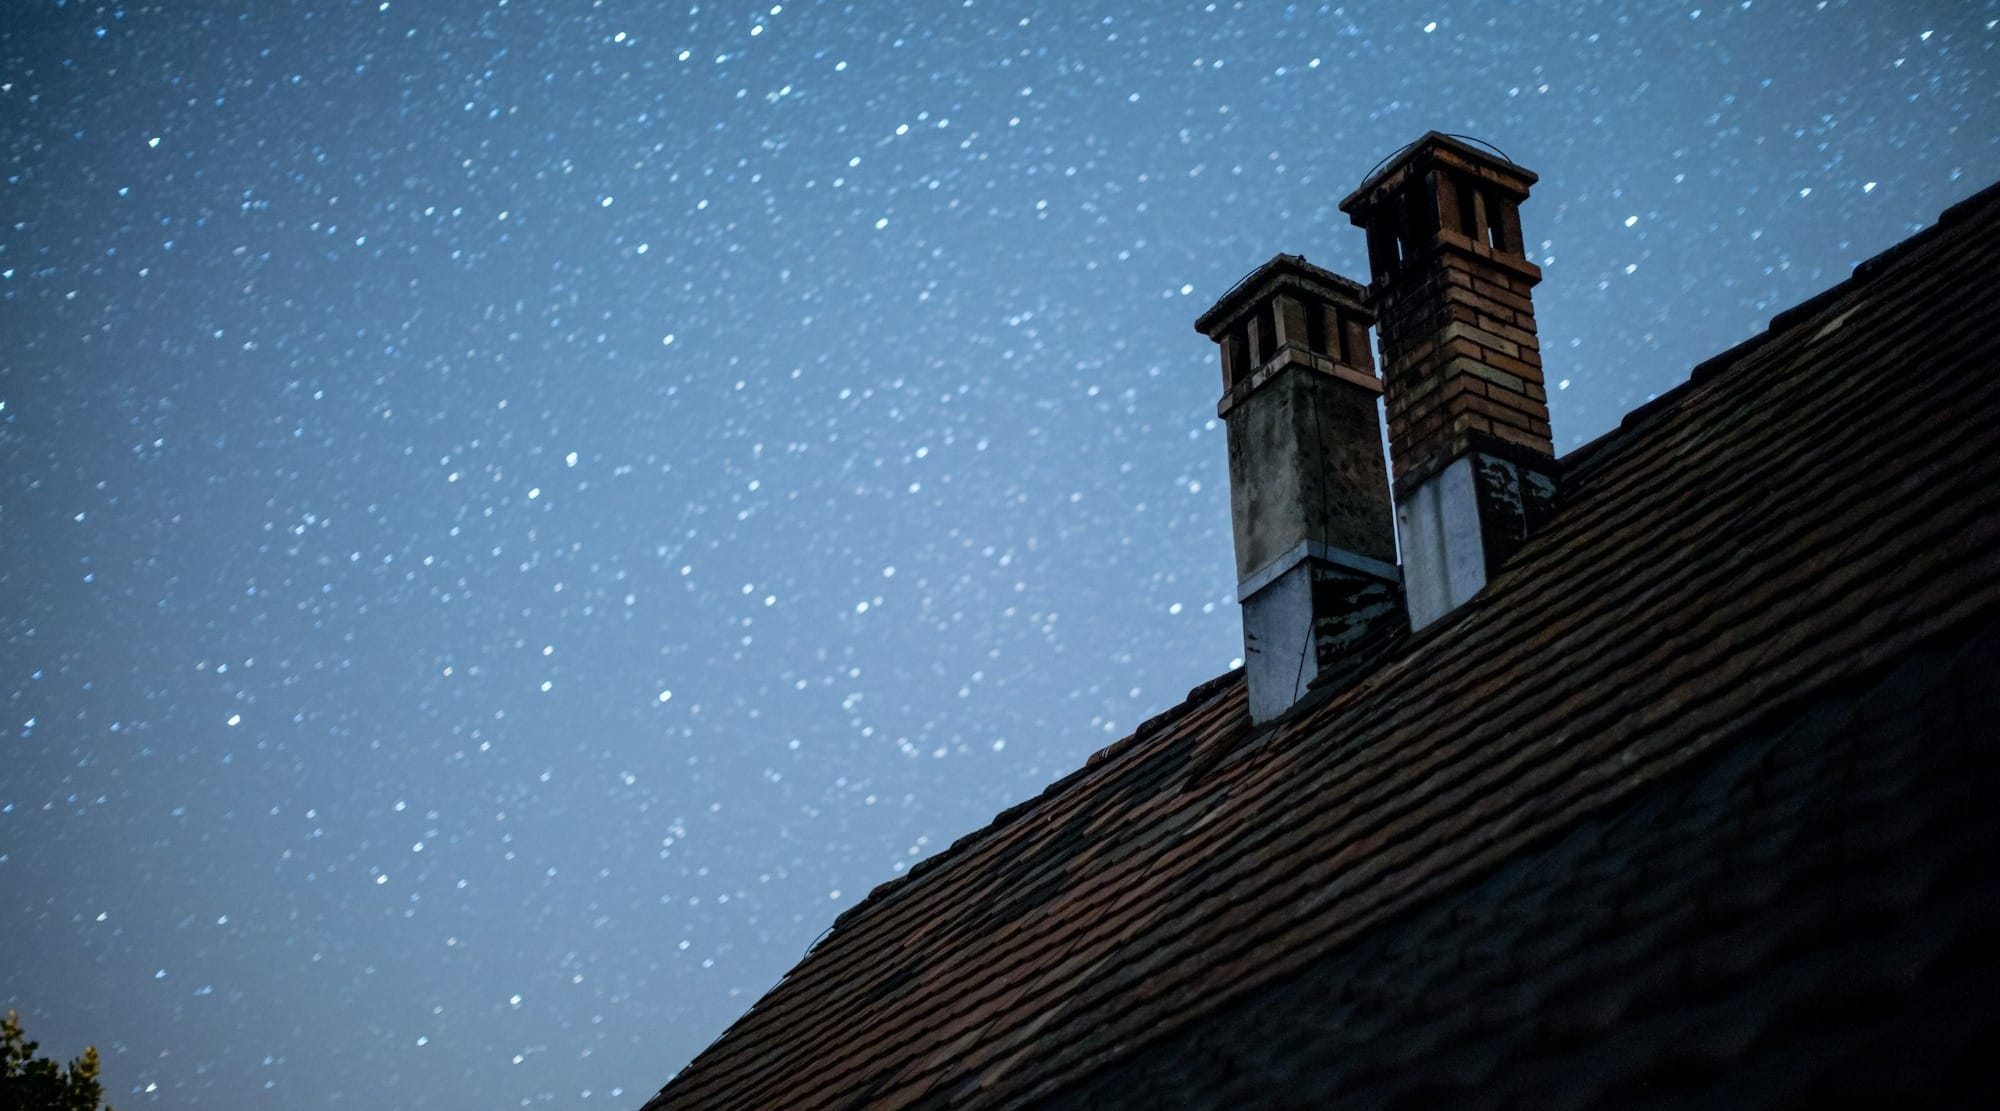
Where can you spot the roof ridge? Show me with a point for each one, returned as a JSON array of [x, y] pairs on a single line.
[[1198, 695], [1863, 273], [1591, 485]]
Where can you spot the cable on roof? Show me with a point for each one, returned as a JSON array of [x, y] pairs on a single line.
[[1399, 151], [1247, 275]]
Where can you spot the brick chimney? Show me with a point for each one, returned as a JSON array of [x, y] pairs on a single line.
[[1469, 438], [1315, 542]]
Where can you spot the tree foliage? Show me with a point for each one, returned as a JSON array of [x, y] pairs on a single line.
[[31, 1083]]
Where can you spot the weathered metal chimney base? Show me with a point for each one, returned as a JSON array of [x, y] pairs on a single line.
[[1298, 622], [1467, 518]]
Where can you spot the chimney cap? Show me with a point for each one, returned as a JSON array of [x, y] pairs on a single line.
[[1281, 272], [1433, 149]]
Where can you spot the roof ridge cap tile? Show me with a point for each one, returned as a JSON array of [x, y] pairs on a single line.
[[1962, 211]]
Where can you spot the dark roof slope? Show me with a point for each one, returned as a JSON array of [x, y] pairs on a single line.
[[1803, 917], [1534, 792]]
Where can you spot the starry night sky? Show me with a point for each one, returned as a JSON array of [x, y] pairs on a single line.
[[513, 515]]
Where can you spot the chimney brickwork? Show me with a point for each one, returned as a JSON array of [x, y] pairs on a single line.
[[1469, 438], [1309, 495]]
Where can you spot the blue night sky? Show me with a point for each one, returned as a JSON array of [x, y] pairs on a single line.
[[513, 515]]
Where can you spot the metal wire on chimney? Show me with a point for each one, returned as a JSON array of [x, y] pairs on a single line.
[[1325, 511]]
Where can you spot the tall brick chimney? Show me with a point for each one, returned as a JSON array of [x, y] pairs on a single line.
[[1469, 437], [1315, 542]]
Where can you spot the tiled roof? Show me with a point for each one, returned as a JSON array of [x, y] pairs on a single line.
[[1710, 763], [1805, 907]]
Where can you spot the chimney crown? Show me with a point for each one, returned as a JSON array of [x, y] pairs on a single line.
[[1441, 191], [1290, 312]]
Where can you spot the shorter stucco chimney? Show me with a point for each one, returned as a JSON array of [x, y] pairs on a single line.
[[1308, 492], [1469, 438]]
